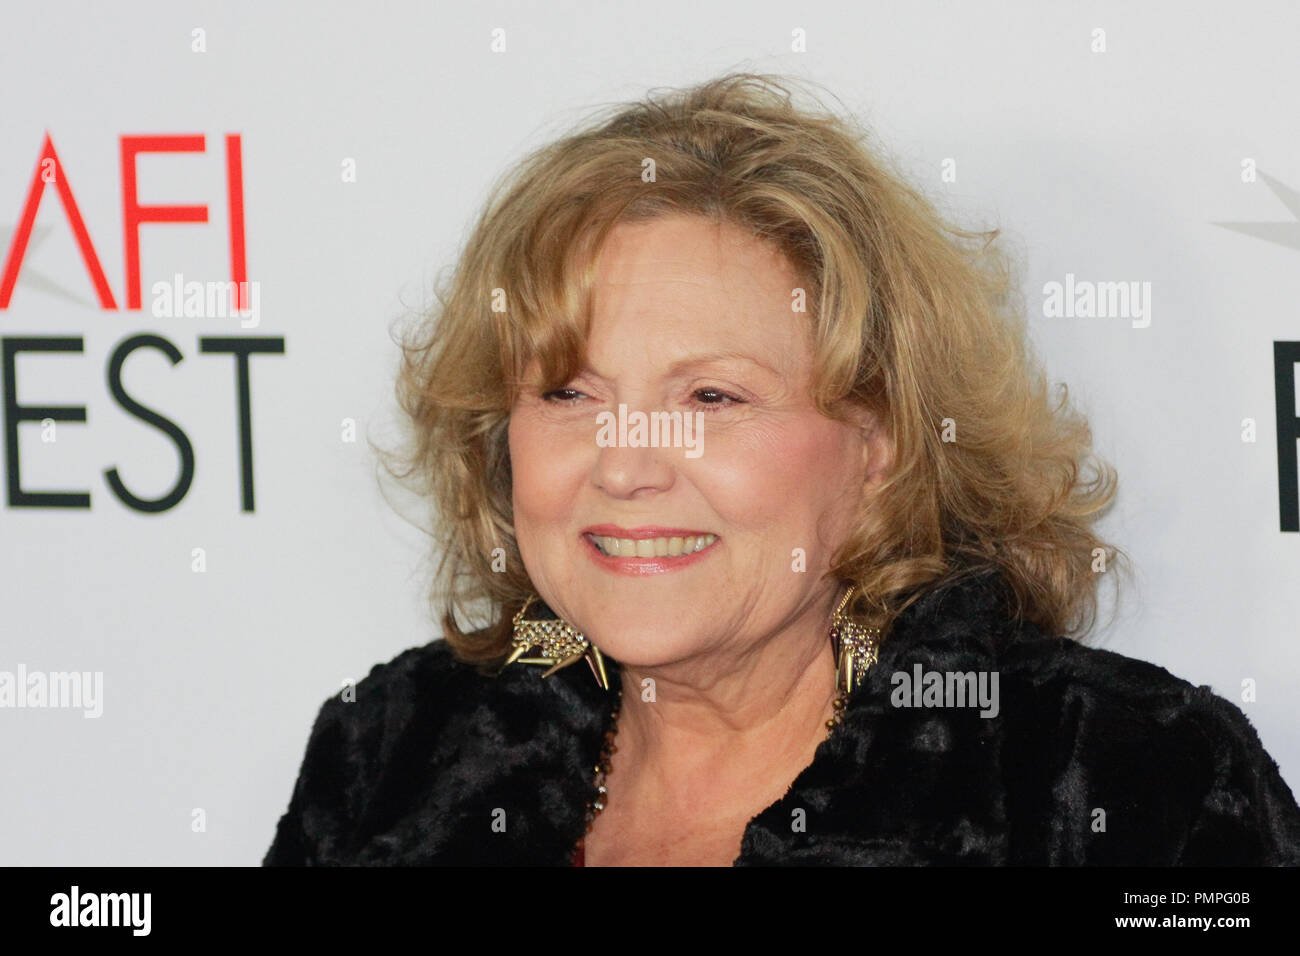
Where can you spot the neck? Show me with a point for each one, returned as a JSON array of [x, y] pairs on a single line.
[[746, 722]]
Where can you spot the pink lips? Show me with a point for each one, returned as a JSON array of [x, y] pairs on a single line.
[[643, 566], [637, 534]]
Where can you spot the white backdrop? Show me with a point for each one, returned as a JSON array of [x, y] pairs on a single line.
[[1110, 165]]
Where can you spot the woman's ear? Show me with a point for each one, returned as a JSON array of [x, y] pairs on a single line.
[[877, 446]]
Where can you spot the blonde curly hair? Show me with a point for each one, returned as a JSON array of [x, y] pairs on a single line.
[[911, 317]]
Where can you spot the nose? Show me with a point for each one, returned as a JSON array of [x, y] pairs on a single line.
[[629, 471]]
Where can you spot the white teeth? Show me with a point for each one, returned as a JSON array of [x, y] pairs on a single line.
[[652, 547]]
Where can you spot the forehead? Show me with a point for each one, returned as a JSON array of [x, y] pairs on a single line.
[[685, 248], [695, 280]]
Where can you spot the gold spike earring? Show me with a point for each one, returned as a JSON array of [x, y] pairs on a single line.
[[553, 643], [856, 646]]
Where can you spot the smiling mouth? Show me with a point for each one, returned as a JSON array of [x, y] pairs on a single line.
[[650, 547]]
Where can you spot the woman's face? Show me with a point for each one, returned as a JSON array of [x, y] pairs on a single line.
[[694, 318]]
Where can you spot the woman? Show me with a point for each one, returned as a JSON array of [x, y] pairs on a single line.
[[717, 405]]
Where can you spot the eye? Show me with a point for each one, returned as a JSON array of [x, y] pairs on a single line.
[[708, 397], [716, 398]]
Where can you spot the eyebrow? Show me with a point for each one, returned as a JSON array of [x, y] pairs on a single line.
[[684, 364]]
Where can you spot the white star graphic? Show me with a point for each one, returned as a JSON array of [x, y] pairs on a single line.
[[29, 277], [1283, 233]]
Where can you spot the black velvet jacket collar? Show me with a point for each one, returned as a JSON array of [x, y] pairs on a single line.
[[1091, 758]]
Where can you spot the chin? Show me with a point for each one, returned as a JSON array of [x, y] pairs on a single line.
[[644, 647]]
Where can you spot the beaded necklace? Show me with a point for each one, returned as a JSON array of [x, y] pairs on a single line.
[[597, 802]]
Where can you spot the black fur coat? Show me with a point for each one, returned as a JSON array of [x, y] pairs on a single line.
[[1092, 758]]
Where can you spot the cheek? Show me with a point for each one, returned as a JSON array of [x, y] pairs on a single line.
[[543, 470], [783, 474]]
